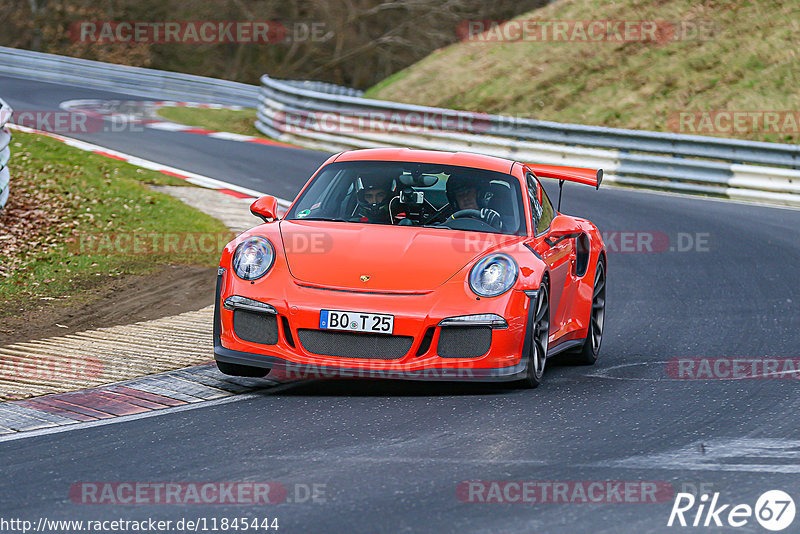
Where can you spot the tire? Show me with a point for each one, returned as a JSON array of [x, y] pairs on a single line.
[[537, 347], [588, 352], [233, 369]]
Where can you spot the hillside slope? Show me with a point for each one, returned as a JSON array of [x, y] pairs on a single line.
[[747, 58]]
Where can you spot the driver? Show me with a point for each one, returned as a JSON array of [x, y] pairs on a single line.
[[373, 198], [469, 196]]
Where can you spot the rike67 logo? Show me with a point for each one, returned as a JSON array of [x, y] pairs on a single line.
[[774, 510]]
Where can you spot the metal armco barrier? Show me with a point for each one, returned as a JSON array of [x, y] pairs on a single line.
[[5, 152], [330, 118], [148, 83]]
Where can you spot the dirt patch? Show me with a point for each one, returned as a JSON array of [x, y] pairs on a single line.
[[169, 290]]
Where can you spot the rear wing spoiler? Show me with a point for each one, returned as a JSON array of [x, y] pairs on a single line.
[[579, 175]]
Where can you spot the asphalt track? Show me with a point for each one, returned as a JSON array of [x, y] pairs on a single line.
[[391, 455]]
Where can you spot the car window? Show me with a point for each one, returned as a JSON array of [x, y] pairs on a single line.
[[533, 193], [414, 194], [547, 214], [541, 212]]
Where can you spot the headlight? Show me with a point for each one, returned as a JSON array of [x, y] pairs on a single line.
[[493, 275], [253, 258]]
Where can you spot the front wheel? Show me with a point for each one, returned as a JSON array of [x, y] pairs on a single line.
[[590, 349], [233, 369], [539, 339]]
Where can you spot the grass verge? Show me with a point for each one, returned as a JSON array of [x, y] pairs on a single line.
[[221, 120], [64, 202], [737, 55]]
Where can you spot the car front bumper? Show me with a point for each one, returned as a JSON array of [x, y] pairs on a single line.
[[296, 315]]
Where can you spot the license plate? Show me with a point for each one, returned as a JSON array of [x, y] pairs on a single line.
[[374, 323]]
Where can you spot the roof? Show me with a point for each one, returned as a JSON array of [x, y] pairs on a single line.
[[462, 159]]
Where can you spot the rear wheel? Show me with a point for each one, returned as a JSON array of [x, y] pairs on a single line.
[[590, 349], [539, 338], [233, 369]]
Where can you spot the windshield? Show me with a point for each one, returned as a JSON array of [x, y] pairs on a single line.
[[414, 194]]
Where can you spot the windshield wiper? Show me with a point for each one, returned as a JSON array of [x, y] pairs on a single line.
[[318, 218]]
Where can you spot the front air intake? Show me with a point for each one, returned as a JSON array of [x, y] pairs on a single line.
[[353, 345], [259, 328], [464, 341]]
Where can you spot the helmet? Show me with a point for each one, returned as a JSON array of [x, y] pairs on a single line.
[[457, 183], [374, 182]]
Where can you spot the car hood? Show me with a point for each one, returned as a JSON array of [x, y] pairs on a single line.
[[395, 258]]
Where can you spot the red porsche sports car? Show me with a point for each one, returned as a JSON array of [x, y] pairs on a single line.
[[414, 264]]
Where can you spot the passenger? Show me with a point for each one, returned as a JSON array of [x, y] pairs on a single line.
[[373, 199]]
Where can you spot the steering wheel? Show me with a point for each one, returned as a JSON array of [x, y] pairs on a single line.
[[487, 215]]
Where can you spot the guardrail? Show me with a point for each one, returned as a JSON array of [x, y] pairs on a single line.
[[5, 152], [303, 113], [149, 83], [296, 111]]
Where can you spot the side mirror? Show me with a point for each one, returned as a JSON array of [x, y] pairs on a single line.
[[562, 227], [265, 208]]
